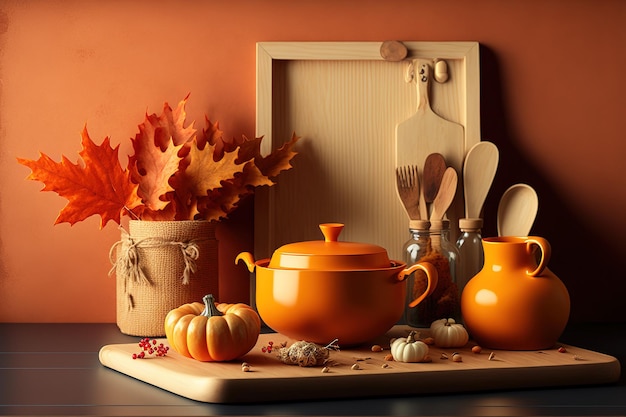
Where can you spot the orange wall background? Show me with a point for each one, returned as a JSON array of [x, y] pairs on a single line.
[[552, 98]]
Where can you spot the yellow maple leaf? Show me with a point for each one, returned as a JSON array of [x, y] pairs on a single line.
[[202, 174]]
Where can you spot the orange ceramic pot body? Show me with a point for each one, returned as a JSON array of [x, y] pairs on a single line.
[[515, 302], [324, 290]]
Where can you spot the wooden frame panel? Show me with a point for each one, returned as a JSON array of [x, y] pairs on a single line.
[[344, 101]]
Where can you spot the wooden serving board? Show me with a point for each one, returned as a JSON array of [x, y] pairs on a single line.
[[270, 380]]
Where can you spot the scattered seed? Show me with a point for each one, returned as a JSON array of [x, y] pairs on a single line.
[[385, 365], [457, 357], [477, 349], [356, 367], [578, 358], [325, 370], [443, 356], [377, 348], [389, 357], [492, 356], [562, 349], [244, 364], [245, 368]]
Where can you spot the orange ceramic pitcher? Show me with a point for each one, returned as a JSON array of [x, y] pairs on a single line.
[[515, 302]]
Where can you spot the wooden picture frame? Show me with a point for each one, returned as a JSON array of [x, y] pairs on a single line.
[[345, 100]]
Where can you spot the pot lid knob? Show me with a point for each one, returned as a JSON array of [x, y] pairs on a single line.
[[331, 231]]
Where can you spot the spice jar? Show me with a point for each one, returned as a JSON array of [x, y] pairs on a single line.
[[471, 255], [430, 242]]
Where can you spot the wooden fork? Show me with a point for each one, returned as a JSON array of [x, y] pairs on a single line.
[[409, 190]]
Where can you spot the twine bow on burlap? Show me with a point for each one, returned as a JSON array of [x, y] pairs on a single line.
[[125, 254]]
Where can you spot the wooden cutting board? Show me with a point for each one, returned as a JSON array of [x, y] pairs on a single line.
[[425, 132], [270, 380]]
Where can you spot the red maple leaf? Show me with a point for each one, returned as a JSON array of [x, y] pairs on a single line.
[[100, 187]]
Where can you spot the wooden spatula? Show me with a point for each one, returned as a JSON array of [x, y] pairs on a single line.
[[446, 193]]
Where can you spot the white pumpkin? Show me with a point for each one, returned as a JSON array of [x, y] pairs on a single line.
[[409, 349], [448, 333]]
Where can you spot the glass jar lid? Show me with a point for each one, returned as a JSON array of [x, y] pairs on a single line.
[[330, 254]]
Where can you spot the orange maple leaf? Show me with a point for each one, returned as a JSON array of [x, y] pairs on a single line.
[[202, 174], [170, 124], [156, 158], [221, 201], [100, 187], [214, 136], [279, 160]]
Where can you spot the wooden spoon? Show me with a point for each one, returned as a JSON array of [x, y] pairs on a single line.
[[517, 210], [434, 167], [479, 170], [446, 193]]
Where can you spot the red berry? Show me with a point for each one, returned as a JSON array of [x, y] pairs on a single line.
[[150, 347]]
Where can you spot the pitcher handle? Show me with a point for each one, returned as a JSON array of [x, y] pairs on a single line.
[[431, 275], [546, 252]]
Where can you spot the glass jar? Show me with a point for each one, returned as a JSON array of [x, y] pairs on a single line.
[[430, 242], [471, 255]]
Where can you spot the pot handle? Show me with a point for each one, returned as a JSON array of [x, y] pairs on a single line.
[[546, 252], [247, 258], [431, 275]]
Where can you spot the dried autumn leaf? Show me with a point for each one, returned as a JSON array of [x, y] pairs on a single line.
[[100, 187], [214, 136], [221, 201], [156, 156], [272, 164], [170, 124], [279, 160], [152, 167], [250, 177], [174, 174], [202, 174]]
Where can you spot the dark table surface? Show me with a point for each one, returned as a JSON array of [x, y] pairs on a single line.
[[53, 369]]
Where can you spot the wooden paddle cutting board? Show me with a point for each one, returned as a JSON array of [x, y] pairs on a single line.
[[426, 132], [270, 380]]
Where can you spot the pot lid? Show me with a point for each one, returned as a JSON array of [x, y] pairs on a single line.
[[330, 254]]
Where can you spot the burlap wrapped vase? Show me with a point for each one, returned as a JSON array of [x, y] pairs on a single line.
[[159, 266]]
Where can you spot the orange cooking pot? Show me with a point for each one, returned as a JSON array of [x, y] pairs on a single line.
[[323, 290]]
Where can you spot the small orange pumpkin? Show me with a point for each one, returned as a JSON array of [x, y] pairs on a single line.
[[212, 332]]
